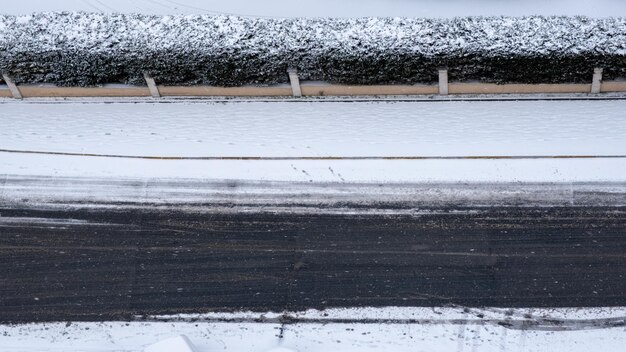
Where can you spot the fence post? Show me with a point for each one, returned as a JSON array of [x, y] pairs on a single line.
[[443, 82], [295, 82], [596, 84], [12, 86], [154, 90]]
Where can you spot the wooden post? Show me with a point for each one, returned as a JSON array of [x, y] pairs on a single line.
[[596, 83], [295, 82], [12, 86], [154, 90], [443, 82]]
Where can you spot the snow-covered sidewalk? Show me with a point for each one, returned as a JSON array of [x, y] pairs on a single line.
[[321, 130]]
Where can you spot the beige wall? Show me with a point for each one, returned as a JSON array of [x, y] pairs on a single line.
[[315, 90]]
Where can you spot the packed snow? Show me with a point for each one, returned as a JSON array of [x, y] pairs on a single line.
[[294, 197], [93, 48]]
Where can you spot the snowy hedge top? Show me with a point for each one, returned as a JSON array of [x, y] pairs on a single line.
[[33, 46], [430, 37]]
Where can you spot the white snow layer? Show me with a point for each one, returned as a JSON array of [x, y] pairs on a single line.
[[414, 329], [330, 8], [489, 36], [319, 129], [174, 344]]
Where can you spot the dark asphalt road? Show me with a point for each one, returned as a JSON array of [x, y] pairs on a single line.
[[112, 264]]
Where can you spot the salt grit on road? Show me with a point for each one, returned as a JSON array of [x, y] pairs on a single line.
[[318, 129]]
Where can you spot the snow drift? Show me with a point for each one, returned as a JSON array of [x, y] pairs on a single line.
[[90, 49]]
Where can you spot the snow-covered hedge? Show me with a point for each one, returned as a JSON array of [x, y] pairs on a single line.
[[91, 49]]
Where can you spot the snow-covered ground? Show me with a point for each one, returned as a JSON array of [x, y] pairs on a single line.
[[319, 129], [409, 329], [344, 8]]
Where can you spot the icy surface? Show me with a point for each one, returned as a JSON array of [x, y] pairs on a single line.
[[93, 48], [441, 329]]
